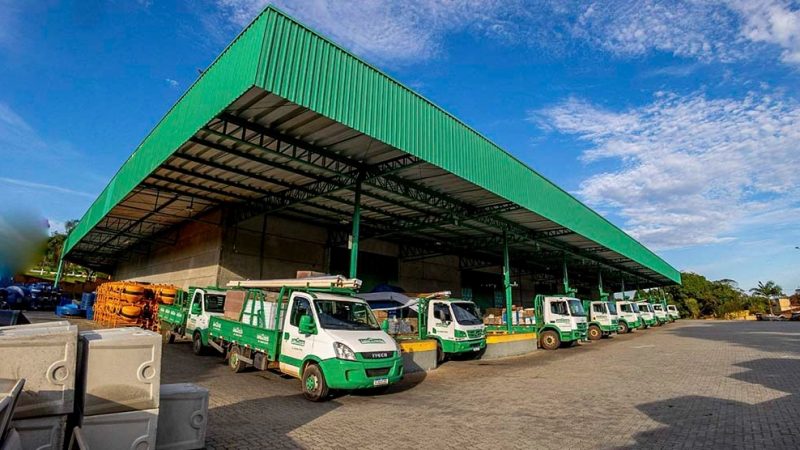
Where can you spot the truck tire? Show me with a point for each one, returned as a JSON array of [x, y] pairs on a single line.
[[197, 344], [594, 333], [166, 333], [623, 328], [440, 355], [549, 340], [236, 364], [315, 388]]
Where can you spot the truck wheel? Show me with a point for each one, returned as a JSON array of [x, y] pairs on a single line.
[[314, 386], [236, 364], [594, 333], [166, 333], [440, 355], [549, 340], [197, 345], [623, 328]]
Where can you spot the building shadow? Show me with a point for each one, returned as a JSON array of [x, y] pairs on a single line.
[[760, 335], [707, 422]]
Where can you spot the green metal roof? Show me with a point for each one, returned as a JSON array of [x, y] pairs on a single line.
[[283, 57]]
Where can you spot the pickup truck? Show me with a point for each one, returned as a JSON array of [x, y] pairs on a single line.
[[189, 315]]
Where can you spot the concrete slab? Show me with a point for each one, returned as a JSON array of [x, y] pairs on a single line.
[[132, 430], [183, 417], [418, 355], [505, 345], [45, 356], [120, 370], [42, 433]]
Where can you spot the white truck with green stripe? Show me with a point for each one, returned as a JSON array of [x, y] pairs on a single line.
[[601, 315], [454, 323], [189, 315], [647, 314], [628, 317], [560, 320], [326, 337]]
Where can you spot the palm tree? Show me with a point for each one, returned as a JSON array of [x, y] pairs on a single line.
[[768, 290]]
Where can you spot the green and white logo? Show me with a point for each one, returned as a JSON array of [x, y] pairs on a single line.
[[237, 331], [298, 341], [372, 341], [262, 338]]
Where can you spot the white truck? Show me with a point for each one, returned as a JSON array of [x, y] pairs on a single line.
[[317, 332], [672, 310], [647, 314], [189, 316], [560, 320], [454, 323], [628, 315], [661, 313]]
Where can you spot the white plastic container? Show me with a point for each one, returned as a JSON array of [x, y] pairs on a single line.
[[251, 310], [45, 356], [120, 371], [183, 417], [41, 433], [132, 430]]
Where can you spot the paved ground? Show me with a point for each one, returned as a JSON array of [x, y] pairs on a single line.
[[692, 384], [687, 385]]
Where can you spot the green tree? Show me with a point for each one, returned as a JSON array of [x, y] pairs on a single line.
[[767, 290], [692, 308]]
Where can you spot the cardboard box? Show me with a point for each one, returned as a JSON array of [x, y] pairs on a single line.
[[309, 274], [234, 300]]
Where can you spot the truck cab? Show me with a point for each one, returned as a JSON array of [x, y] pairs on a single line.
[[628, 316], [660, 312], [647, 314], [189, 316], [672, 310], [602, 319], [455, 324], [559, 320]]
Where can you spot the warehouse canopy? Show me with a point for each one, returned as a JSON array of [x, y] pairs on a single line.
[[286, 122]]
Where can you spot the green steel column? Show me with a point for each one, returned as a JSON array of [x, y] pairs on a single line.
[[58, 272], [354, 234], [507, 282]]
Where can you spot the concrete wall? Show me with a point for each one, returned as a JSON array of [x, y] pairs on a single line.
[[193, 260]]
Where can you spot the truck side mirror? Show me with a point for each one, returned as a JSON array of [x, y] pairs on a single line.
[[195, 308], [385, 325], [307, 326]]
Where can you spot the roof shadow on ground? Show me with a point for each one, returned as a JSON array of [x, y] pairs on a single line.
[[709, 422], [760, 335]]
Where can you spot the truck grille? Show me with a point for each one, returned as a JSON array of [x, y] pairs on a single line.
[[377, 355], [382, 372], [474, 333]]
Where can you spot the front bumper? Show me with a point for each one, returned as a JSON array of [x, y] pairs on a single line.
[[466, 346], [344, 374]]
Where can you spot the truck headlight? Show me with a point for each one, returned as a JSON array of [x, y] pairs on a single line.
[[461, 334], [343, 352]]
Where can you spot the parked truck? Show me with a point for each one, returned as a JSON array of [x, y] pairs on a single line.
[[601, 315], [629, 318], [560, 320], [317, 332], [672, 310], [647, 314], [454, 323], [189, 315], [660, 312]]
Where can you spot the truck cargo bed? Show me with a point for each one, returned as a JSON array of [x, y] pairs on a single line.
[[244, 335]]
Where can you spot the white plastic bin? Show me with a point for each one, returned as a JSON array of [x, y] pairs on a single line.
[[183, 417], [132, 430]]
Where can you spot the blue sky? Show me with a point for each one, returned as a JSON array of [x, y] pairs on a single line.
[[679, 121]]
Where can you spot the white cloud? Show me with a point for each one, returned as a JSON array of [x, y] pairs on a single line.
[[706, 30], [397, 30], [691, 170], [30, 185], [172, 83]]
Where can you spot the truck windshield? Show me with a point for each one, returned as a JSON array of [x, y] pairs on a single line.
[[576, 307], [612, 308], [344, 315], [215, 303], [466, 314]]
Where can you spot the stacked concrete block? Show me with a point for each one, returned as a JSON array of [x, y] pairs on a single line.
[[118, 390], [183, 417], [42, 433], [45, 356]]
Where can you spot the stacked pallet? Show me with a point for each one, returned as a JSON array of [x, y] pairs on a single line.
[[131, 304]]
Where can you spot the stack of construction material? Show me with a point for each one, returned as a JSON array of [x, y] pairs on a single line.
[[45, 356], [519, 316], [125, 304]]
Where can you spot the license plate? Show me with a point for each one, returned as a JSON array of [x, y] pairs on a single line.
[[476, 349], [380, 382]]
